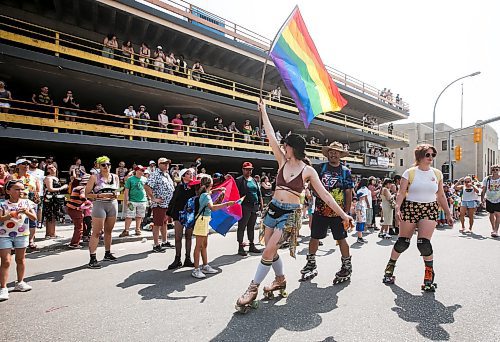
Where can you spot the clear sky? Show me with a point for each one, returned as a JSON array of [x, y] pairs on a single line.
[[415, 48]]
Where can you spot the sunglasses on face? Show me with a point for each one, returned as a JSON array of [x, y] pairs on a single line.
[[105, 164], [494, 170], [428, 155]]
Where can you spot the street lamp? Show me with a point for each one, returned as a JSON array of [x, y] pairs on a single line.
[[435, 104]]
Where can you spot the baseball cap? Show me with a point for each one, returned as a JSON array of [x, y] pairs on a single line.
[[152, 162], [194, 182], [247, 165], [164, 160], [22, 161], [140, 167]]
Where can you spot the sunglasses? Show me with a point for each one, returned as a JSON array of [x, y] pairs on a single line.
[[494, 170], [428, 155], [105, 164]]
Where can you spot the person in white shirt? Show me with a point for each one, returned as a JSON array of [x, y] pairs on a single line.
[[470, 198], [129, 113], [490, 196], [417, 206]]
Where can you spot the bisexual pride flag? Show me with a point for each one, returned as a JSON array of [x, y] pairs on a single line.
[[223, 219], [304, 74]]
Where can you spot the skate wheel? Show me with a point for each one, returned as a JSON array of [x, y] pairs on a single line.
[[269, 295], [283, 293], [255, 304], [242, 309]]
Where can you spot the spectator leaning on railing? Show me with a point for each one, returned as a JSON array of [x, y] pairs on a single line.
[[43, 97], [4, 95]]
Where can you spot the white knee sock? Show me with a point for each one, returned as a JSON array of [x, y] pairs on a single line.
[[262, 271], [278, 266]]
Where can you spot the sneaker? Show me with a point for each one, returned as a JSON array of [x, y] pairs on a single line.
[[85, 239], [361, 240], [94, 264], [380, 235], [158, 249], [109, 257], [70, 246], [22, 286], [167, 244], [188, 263], [4, 294], [375, 228], [387, 236], [207, 269], [197, 273]]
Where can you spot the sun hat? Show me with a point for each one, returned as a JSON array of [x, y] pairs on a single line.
[[335, 146]]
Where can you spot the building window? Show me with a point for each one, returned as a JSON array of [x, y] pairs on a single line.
[[444, 145], [400, 162], [401, 149], [452, 144]]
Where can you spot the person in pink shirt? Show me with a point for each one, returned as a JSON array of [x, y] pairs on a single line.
[[177, 124]]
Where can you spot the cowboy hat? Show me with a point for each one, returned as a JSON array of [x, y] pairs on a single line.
[[335, 146]]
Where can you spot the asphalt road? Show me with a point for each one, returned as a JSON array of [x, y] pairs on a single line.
[[137, 299]]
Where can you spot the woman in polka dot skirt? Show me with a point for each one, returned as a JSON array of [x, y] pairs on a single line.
[[15, 214]]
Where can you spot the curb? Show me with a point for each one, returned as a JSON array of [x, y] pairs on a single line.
[[63, 245]]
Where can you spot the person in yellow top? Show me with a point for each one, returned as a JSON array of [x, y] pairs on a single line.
[[31, 190]]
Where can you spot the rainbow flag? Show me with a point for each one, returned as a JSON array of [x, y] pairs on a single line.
[[303, 72]]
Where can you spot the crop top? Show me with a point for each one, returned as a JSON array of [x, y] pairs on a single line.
[[296, 184]]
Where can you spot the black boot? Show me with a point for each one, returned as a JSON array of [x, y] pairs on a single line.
[[176, 264], [188, 262], [241, 250], [253, 249]]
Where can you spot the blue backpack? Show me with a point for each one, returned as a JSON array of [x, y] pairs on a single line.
[[188, 216]]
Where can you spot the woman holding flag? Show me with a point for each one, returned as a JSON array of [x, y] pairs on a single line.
[[282, 218]]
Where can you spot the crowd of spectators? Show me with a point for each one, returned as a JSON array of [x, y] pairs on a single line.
[[389, 98]]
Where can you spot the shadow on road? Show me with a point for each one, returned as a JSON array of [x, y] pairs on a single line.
[[163, 283], [425, 310], [301, 312], [56, 276]]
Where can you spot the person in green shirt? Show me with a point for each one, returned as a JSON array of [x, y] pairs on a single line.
[[135, 200]]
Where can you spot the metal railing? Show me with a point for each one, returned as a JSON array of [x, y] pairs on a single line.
[[91, 52], [184, 10], [90, 122]]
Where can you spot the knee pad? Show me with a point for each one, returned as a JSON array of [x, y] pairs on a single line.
[[402, 244], [424, 246]]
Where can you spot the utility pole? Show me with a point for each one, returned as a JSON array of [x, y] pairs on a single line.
[[462, 108]]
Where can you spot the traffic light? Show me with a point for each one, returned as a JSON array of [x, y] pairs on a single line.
[[458, 153], [478, 134]]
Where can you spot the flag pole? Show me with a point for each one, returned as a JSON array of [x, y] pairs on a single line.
[[267, 57]]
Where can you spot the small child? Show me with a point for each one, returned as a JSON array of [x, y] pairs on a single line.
[[15, 214], [361, 206], [201, 227]]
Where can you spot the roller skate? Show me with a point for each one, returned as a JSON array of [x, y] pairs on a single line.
[[389, 278], [345, 271], [309, 271], [429, 285], [276, 285], [248, 299]]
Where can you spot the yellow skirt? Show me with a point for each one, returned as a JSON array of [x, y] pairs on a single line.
[[201, 226]]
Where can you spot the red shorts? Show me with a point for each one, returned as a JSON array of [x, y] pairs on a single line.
[[159, 216]]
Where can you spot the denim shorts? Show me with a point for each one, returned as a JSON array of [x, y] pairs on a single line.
[[14, 242], [469, 204], [279, 222]]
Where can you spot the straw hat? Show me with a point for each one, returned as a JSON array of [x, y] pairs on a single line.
[[334, 146]]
